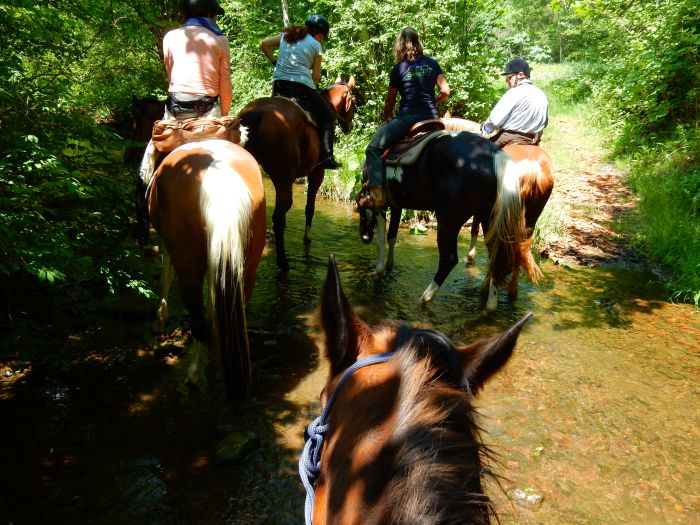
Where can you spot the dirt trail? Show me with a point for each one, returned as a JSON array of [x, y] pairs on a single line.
[[589, 197]]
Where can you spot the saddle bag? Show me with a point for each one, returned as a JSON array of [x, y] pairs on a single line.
[[169, 134]]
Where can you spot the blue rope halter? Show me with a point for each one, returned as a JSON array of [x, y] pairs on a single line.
[[310, 460]]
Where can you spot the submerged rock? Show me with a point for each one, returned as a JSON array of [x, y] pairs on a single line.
[[236, 447], [528, 497]]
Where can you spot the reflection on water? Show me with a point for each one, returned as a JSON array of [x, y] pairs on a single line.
[[597, 411]]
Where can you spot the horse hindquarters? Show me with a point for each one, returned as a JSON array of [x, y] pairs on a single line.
[[208, 206]]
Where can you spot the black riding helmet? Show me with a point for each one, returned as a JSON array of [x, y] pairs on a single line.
[[317, 24], [517, 65], [192, 8]]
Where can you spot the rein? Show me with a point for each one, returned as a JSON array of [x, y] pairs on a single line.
[[310, 460]]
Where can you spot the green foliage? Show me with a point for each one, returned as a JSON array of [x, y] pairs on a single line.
[[668, 182]]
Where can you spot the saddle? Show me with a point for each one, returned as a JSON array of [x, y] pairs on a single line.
[[407, 151], [169, 134]]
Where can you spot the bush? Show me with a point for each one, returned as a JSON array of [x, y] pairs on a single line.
[[667, 179]]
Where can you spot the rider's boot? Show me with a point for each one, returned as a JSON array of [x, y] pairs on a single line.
[[328, 161]]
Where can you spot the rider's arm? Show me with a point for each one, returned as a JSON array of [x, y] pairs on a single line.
[[389, 103], [316, 69], [269, 44], [225, 89], [444, 88], [500, 113]]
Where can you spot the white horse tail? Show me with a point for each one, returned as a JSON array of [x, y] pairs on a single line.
[[226, 205], [507, 229]]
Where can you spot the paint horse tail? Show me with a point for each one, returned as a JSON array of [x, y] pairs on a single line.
[[535, 187], [507, 231], [228, 227]]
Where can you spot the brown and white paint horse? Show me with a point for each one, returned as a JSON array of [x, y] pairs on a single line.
[[207, 204]]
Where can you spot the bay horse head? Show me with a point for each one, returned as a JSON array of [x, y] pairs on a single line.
[[398, 433], [144, 113], [339, 96]]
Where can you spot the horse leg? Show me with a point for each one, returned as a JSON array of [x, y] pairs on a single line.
[[315, 179], [380, 235], [191, 292], [392, 235], [283, 202], [471, 256], [490, 290], [447, 246], [513, 285], [167, 274]]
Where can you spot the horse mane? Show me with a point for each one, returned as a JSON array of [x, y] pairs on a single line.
[[460, 124], [439, 457]]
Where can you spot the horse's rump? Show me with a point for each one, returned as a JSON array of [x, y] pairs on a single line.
[[208, 206], [536, 184], [281, 122]]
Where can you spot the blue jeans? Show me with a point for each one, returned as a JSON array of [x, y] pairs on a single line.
[[387, 135]]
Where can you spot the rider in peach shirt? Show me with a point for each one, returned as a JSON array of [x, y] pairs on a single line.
[[197, 60]]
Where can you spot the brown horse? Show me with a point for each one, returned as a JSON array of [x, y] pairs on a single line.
[[286, 144], [536, 184], [207, 203], [397, 441], [144, 113]]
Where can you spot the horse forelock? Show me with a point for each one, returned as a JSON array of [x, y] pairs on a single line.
[[439, 458]]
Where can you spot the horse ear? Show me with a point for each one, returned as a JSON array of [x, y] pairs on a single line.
[[482, 359], [351, 82], [448, 114], [341, 325], [338, 79]]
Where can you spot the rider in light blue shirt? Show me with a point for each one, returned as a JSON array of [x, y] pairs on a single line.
[[297, 69]]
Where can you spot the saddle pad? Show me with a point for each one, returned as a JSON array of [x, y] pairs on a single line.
[[169, 134], [406, 154]]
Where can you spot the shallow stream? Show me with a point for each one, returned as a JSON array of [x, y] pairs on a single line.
[[597, 414]]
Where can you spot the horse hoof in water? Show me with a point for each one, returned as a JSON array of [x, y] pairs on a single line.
[[429, 293], [469, 260]]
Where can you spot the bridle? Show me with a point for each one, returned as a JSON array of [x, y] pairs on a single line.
[[310, 460]]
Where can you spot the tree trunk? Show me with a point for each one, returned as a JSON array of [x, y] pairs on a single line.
[[285, 13]]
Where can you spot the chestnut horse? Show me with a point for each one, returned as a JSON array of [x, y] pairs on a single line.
[[536, 184], [397, 441], [286, 144], [207, 204], [458, 175]]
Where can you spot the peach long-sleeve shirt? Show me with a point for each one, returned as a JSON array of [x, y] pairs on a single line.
[[198, 62]]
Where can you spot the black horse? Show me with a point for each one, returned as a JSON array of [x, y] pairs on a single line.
[[458, 175]]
